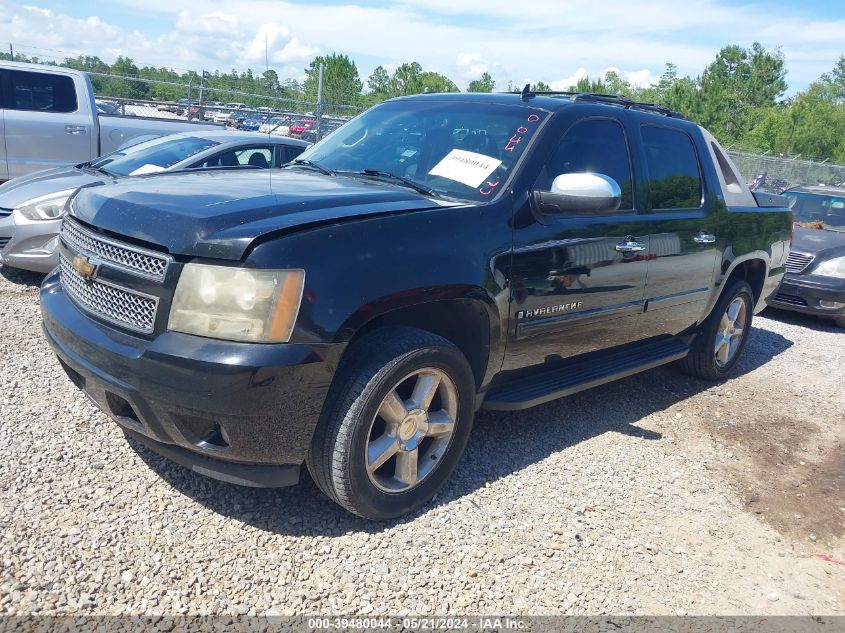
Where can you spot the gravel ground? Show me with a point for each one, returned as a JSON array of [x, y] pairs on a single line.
[[658, 494]]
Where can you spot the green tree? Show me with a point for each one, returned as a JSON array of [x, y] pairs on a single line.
[[119, 87], [667, 80], [485, 84], [341, 83], [270, 81], [812, 125], [406, 79], [379, 81], [541, 86], [430, 81], [614, 84], [736, 85]]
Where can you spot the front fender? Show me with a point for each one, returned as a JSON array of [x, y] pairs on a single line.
[[364, 268]]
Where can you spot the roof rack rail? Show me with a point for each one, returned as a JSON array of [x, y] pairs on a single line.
[[598, 97]]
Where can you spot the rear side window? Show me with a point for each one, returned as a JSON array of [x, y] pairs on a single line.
[[674, 177], [731, 180], [597, 146], [41, 92]]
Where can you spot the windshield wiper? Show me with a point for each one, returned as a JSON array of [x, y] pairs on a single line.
[[310, 163], [413, 184]]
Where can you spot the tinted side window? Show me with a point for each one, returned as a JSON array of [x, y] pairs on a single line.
[[593, 145], [253, 156], [674, 177], [41, 92], [291, 152]]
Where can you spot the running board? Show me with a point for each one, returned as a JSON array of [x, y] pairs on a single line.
[[578, 375]]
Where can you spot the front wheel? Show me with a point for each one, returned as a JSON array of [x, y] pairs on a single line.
[[723, 336], [395, 424]]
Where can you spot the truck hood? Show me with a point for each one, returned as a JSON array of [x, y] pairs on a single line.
[[817, 241], [218, 215], [24, 188]]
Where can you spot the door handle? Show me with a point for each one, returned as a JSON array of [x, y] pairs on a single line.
[[630, 246], [704, 238], [75, 129]]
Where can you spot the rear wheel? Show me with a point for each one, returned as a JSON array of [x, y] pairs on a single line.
[[395, 423], [723, 336]]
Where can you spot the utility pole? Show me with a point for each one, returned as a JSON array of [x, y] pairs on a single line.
[[319, 133], [11, 52]]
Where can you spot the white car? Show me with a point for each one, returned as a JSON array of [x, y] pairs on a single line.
[[218, 116], [278, 125]]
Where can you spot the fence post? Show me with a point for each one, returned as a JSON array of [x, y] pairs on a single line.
[[319, 132]]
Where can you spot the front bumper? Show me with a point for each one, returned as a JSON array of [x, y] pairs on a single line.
[[239, 412], [803, 293], [29, 244]]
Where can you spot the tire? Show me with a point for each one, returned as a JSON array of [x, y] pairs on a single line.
[[702, 360], [361, 417]]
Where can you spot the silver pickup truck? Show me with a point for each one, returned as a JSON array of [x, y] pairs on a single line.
[[48, 118]]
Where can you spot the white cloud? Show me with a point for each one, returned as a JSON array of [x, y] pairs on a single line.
[[641, 78], [470, 66], [214, 23], [568, 82], [295, 51]]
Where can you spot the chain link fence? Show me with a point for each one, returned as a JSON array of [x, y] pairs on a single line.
[[266, 113], [776, 173]]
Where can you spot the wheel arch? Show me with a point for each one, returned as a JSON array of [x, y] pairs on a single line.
[[464, 315], [752, 267]]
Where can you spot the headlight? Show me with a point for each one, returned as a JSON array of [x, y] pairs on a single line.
[[47, 207], [237, 304], [831, 268]]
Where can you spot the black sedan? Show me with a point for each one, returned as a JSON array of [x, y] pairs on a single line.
[[815, 271]]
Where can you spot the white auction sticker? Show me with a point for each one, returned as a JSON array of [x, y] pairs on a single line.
[[465, 167]]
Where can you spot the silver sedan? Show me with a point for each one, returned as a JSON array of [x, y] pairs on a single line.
[[32, 206]]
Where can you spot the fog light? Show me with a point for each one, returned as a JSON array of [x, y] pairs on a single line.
[[833, 305]]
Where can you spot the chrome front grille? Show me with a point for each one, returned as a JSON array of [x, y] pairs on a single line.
[[126, 256], [797, 262], [128, 308]]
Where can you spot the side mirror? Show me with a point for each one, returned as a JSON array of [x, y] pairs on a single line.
[[579, 194]]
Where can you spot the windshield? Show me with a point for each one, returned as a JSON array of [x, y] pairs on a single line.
[[819, 208], [156, 155], [462, 150]]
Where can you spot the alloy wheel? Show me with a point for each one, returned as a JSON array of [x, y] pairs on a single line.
[[731, 332], [411, 430]]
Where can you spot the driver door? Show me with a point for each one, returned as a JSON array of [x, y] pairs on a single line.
[[578, 280]]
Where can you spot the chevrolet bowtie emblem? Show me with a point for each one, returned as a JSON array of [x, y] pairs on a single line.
[[85, 267]]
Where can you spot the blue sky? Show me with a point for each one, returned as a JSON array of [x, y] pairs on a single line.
[[556, 41]]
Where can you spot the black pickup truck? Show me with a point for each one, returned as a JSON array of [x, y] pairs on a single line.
[[436, 255]]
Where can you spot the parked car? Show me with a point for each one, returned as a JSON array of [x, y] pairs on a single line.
[[301, 125], [815, 270], [278, 125], [253, 124], [236, 118], [436, 254], [218, 116], [50, 118], [31, 207], [107, 107], [326, 128]]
